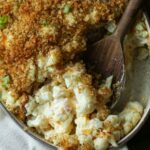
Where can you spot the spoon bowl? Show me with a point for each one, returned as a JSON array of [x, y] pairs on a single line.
[[107, 54]]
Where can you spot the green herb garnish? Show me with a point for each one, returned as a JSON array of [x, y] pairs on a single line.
[[44, 23], [5, 81], [3, 21], [67, 9]]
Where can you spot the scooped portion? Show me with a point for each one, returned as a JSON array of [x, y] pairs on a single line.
[[45, 82], [71, 113]]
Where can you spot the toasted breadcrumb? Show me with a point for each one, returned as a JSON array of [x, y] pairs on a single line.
[[36, 27]]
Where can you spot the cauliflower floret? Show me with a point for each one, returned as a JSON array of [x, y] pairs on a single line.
[[131, 115], [101, 143], [85, 99], [60, 120], [139, 37], [73, 75], [40, 123], [40, 114], [39, 107], [76, 79], [60, 91], [8, 98], [61, 115], [135, 106], [54, 58], [113, 124], [127, 126], [55, 105], [130, 120], [44, 94], [47, 64], [37, 121], [87, 127], [30, 106], [85, 139], [114, 120]]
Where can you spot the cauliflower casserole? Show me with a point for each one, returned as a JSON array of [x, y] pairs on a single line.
[[44, 81]]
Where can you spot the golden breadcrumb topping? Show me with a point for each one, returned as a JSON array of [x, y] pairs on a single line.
[[39, 26]]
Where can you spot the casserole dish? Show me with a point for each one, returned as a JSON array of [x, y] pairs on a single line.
[[137, 88]]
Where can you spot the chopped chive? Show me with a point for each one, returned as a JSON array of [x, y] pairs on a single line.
[[44, 23], [3, 21], [5, 81], [67, 9]]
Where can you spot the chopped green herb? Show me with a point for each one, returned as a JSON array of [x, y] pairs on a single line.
[[3, 21], [44, 22], [5, 81], [67, 9]]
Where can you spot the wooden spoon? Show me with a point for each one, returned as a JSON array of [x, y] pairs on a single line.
[[107, 54]]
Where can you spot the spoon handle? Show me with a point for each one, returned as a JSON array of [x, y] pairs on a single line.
[[127, 18]]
